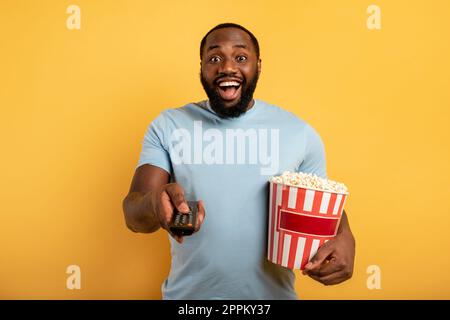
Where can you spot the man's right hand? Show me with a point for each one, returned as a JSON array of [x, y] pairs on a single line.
[[150, 202], [168, 197]]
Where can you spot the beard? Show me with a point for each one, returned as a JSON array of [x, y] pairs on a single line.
[[240, 107]]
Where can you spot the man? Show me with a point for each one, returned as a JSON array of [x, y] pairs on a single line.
[[223, 151]]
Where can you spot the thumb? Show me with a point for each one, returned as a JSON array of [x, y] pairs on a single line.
[[322, 254], [176, 194]]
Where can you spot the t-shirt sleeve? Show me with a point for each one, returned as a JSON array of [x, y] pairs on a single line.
[[314, 161], [154, 147]]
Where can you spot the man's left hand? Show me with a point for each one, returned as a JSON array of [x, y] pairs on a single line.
[[333, 262]]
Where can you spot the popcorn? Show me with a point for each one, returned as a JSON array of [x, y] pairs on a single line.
[[309, 181]]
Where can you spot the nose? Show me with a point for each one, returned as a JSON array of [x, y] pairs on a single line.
[[228, 66]]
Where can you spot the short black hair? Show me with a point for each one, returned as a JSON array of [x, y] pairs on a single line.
[[230, 25]]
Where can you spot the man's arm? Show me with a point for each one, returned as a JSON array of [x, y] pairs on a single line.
[[138, 205], [333, 262], [151, 200], [344, 226]]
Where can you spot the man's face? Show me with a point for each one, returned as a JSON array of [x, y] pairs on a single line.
[[229, 71]]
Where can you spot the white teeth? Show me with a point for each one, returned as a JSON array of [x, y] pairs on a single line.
[[229, 84]]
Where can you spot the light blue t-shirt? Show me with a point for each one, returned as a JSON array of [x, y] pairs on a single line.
[[227, 163]]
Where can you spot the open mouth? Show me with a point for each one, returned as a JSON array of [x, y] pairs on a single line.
[[229, 90]]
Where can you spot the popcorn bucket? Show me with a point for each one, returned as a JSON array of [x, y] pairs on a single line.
[[300, 221]]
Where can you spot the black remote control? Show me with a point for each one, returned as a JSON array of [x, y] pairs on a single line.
[[183, 224]]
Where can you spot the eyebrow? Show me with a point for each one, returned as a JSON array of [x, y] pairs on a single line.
[[239, 45]]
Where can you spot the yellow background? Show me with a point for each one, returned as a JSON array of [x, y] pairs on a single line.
[[75, 105]]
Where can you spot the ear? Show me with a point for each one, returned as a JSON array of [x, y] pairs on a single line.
[[259, 66]]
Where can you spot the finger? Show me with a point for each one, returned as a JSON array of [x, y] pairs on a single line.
[[176, 194], [179, 239], [166, 209], [320, 257], [201, 214], [330, 267], [326, 268]]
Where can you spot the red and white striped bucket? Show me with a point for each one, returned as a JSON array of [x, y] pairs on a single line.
[[300, 221]]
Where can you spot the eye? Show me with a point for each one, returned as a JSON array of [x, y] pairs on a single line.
[[214, 59], [241, 58]]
